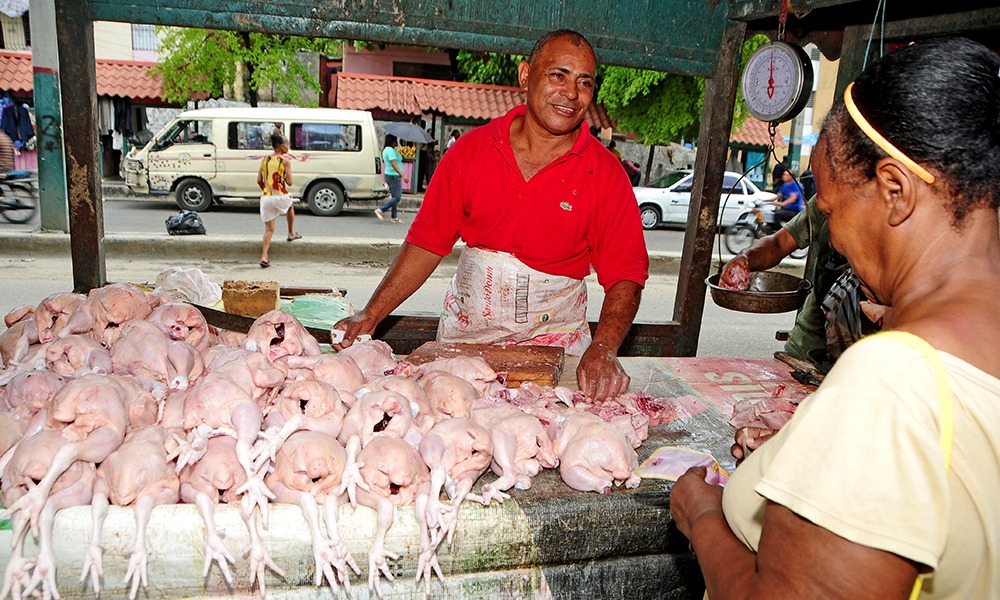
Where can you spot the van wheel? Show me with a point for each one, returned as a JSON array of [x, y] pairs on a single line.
[[326, 199], [194, 194]]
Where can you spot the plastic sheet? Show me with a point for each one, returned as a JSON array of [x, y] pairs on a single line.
[[318, 310]]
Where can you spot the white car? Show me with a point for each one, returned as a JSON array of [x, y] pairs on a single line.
[[667, 199]]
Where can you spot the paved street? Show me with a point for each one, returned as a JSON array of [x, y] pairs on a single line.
[[147, 215], [27, 277]]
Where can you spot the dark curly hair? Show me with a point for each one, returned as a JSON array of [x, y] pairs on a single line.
[[938, 101]]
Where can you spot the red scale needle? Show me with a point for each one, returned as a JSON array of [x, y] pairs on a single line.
[[770, 80]]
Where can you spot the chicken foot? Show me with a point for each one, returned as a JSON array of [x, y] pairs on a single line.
[[378, 556], [94, 449], [44, 573], [260, 560], [143, 508]]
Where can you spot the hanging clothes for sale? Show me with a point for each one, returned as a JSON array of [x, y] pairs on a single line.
[[123, 115], [105, 116], [16, 123], [123, 122]]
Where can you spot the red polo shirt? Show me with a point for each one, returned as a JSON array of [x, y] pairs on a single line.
[[576, 212]]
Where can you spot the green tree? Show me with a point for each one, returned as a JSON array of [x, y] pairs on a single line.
[[204, 61], [489, 67], [661, 107]]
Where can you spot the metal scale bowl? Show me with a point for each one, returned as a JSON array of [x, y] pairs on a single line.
[[769, 292]]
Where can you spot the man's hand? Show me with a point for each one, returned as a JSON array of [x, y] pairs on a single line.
[[736, 274], [357, 324], [600, 375]]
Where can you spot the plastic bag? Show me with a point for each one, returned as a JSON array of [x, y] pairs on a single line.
[[318, 310], [670, 462], [188, 285], [185, 222]]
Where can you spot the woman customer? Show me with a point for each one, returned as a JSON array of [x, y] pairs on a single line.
[[273, 179], [394, 177], [892, 468]]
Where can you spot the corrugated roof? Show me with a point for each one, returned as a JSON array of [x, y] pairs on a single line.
[[754, 132], [409, 96], [122, 78]]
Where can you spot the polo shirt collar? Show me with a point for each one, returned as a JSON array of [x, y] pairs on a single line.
[[500, 128]]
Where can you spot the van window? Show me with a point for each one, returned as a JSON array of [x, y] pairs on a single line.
[[186, 132], [326, 136], [251, 135]]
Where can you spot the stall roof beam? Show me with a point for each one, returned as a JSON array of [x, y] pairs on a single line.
[[678, 36]]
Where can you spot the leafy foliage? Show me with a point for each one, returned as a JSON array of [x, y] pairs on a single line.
[[657, 107], [660, 107], [204, 61], [489, 67]]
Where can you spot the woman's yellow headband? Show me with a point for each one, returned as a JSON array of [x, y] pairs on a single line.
[[880, 141]]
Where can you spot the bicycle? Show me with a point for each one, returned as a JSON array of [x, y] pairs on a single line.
[[18, 196], [754, 224]]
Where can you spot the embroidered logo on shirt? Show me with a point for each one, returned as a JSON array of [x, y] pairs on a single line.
[[565, 206]]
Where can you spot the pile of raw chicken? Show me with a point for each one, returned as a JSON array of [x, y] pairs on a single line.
[[121, 398]]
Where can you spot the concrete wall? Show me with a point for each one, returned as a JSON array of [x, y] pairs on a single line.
[[666, 159], [113, 40], [380, 61]]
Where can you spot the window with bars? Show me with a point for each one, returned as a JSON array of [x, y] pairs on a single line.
[[144, 37], [15, 32]]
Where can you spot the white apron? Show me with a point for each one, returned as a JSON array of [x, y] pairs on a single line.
[[496, 298]]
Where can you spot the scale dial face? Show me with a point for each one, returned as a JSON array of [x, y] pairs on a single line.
[[776, 82]]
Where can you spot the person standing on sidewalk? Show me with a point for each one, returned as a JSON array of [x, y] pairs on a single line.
[[273, 178], [394, 177], [538, 201]]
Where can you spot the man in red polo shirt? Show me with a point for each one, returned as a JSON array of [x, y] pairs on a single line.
[[538, 201]]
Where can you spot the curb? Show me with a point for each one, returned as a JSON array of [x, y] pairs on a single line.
[[238, 247]]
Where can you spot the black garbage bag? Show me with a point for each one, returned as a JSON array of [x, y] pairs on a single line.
[[185, 222]]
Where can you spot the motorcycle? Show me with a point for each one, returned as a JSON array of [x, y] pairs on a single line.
[[753, 224], [18, 196]]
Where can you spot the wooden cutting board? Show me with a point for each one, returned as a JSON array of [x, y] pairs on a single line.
[[540, 364]]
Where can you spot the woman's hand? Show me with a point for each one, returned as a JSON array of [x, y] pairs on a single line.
[[691, 499], [749, 439]]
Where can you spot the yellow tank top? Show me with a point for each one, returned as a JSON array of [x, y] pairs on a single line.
[[273, 170]]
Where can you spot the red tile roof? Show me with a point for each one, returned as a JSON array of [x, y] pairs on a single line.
[[410, 96], [128, 79], [123, 78], [754, 132], [15, 72]]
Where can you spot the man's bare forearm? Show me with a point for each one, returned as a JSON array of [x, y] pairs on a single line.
[[621, 303]]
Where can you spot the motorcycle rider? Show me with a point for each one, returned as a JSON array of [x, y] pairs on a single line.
[[790, 198]]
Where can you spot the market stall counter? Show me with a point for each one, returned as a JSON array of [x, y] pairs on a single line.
[[546, 541]]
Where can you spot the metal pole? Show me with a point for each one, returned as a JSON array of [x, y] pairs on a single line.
[[48, 117]]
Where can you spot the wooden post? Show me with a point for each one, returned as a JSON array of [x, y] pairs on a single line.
[[710, 166], [78, 79]]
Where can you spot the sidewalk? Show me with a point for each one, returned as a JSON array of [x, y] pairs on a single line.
[[343, 250]]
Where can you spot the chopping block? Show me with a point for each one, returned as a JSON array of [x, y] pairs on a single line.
[[538, 364]]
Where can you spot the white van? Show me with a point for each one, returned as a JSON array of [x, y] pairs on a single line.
[[210, 153]]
